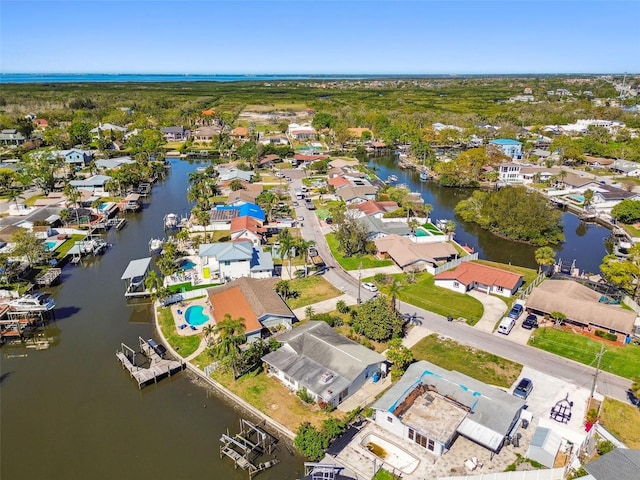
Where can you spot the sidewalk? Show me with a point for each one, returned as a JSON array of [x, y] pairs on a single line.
[[370, 272]]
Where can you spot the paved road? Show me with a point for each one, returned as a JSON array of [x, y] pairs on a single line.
[[567, 370]]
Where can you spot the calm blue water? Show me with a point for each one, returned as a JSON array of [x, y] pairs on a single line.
[[194, 316], [132, 77]]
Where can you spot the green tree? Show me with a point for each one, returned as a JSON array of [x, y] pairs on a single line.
[[27, 245], [394, 292], [323, 120], [73, 195], [79, 133], [376, 320], [235, 185], [545, 256], [624, 273], [635, 386], [516, 213], [153, 283], [309, 312], [351, 234], [588, 198], [230, 334], [399, 356], [302, 247], [627, 211], [25, 126], [310, 442], [41, 166], [283, 288], [287, 246]]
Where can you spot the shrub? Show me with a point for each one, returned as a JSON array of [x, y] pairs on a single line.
[[605, 447], [606, 335], [342, 307], [382, 278], [331, 320], [311, 442], [304, 395]]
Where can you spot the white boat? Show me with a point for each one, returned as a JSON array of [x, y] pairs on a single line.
[[392, 178], [424, 176], [155, 245], [170, 221], [33, 302]]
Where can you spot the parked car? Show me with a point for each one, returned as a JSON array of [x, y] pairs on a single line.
[[506, 325], [313, 252], [523, 389], [516, 311], [295, 203], [369, 286], [300, 218], [530, 322]]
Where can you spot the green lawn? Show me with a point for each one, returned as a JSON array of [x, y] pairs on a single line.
[[631, 230], [185, 346], [482, 366], [383, 474], [425, 294], [623, 420], [622, 360], [353, 263], [311, 290]]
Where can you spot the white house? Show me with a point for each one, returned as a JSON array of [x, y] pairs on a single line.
[[431, 406], [93, 184], [329, 366], [468, 276], [227, 261], [630, 169], [302, 132]]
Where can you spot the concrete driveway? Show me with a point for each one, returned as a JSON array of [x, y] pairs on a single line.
[[494, 310]]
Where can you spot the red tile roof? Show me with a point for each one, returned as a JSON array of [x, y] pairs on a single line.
[[370, 207], [469, 272], [239, 132], [233, 302], [246, 223], [338, 181], [309, 158]]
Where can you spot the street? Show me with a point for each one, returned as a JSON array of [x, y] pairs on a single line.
[[581, 375]]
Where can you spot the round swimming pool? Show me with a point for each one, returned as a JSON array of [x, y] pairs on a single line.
[[194, 315]]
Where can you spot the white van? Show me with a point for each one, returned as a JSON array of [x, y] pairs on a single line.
[[506, 325]]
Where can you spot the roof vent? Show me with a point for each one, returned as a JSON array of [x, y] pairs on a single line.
[[326, 377]]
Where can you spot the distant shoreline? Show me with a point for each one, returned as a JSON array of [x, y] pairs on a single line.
[[7, 78]]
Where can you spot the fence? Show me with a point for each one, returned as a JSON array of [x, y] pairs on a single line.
[[536, 281], [455, 263]]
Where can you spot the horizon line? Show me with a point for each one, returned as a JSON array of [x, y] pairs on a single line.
[[318, 73]]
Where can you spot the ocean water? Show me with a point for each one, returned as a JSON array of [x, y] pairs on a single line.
[[129, 77]]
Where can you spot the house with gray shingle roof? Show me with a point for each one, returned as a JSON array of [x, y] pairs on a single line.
[[377, 228], [112, 163], [328, 365], [431, 406], [615, 465], [226, 261], [11, 137]]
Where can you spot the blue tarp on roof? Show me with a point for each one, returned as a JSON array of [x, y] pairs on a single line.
[[247, 209], [505, 141]]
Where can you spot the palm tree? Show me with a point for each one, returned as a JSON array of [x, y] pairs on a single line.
[[283, 288], [152, 283], [73, 195], [309, 312], [208, 330], [449, 228], [286, 246], [322, 191], [544, 256], [394, 292], [230, 334], [413, 224], [302, 247]]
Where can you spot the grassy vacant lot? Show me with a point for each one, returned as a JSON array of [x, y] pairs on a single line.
[[622, 360], [274, 399], [185, 346], [311, 290], [623, 420], [425, 294], [353, 263], [482, 366]]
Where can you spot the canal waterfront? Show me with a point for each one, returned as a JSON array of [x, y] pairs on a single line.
[[70, 411], [585, 242]]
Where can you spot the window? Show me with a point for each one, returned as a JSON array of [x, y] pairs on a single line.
[[456, 284], [499, 289], [389, 419], [227, 263], [421, 440], [431, 445]]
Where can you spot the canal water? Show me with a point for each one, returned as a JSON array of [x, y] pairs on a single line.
[[585, 242], [70, 411]]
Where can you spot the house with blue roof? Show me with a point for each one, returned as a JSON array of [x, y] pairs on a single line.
[[76, 156], [226, 261], [511, 148], [245, 210]]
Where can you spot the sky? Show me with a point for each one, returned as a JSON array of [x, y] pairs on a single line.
[[320, 37]]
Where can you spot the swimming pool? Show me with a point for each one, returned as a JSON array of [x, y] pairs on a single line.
[[187, 265], [422, 232], [50, 246], [577, 198], [194, 315]]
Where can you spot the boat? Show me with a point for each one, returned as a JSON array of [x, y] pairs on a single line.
[[155, 245], [392, 178], [33, 302], [170, 221], [424, 176]]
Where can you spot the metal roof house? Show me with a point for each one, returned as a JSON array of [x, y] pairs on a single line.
[[431, 406], [328, 365], [230, 260], [511, 148]]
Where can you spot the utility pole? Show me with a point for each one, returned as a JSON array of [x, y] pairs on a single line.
[[359, 278], [595, 377]]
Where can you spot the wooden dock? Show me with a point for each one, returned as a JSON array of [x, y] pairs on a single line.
[[49, 277], [247, 446], [156, 369]]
